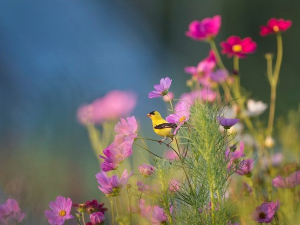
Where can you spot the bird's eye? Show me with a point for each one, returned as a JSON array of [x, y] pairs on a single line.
[[152, 113]]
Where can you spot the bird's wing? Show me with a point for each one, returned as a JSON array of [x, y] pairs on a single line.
[[165, 125]]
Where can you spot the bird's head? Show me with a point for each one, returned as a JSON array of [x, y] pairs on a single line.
[[154, 115]]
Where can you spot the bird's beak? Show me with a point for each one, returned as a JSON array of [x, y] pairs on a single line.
[[149, 115]]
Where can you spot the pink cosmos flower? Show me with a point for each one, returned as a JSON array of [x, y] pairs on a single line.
[[146, 170], [265, 212], [11, 212], [235, 46], [112, 186], [289, 182], [115, 155], [155, 214], [169, 96], [121, 148], [112, 106], [208, 95], [174, 185], [234, 156], [227, 123], [245, 167], [275, 26], [60, 211], [161, 89], [211, 57], [126, 129], [204, 29], [181, 115], [97, 218]]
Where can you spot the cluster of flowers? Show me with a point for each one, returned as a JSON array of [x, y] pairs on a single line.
[[60, 210], [208, 74]]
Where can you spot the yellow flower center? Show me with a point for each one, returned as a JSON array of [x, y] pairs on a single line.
[[62, 213], [236, 48], [182, 119], [276, 28]]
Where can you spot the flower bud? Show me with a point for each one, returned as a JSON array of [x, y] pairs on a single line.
[[269, 142], [146, 170]]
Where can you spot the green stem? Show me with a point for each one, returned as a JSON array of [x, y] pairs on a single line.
[[171, 103], [94, 135], [273, 83], [112, 211], [82, 217], [215, 50], [76, 218]]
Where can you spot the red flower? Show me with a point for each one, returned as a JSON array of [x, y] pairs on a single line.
[[275, 26], [235, 46]]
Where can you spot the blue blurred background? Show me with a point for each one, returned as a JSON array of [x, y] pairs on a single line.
[[56, 55]]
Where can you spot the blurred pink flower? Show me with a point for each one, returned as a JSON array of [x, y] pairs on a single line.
[[97, 218], [234, 156], [174, 185], [146, 170], [60, 211], [143, 187], [275, 26], [180, 116], [265, 212], [219, 76], [227, 123], [289, 182], [211, 57], [155, 214], [208, 95], [169, 96], [171, 155], [204, 29], [245, 167], [126, 130], [10, 211], [277, 158], [112, 186], [235, 46], [112, 106], [161, 89]]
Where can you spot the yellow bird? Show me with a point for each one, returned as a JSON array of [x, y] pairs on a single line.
[[161, 126]]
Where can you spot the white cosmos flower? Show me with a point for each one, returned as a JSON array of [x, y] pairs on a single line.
[[255, 108]]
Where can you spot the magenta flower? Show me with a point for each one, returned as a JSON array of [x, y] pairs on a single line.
[[211, 57], [275, 26], [289, 182], [143, 187], [207, 95], [227, 123], [161, 89], [265, 212], [90, 207], [112, 186], [181, 115], [245, 167], [60, 211], [235, 46], [97, 218], [10, 211], [155, 214], [146, 170], [204, 29], [112, 106]]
